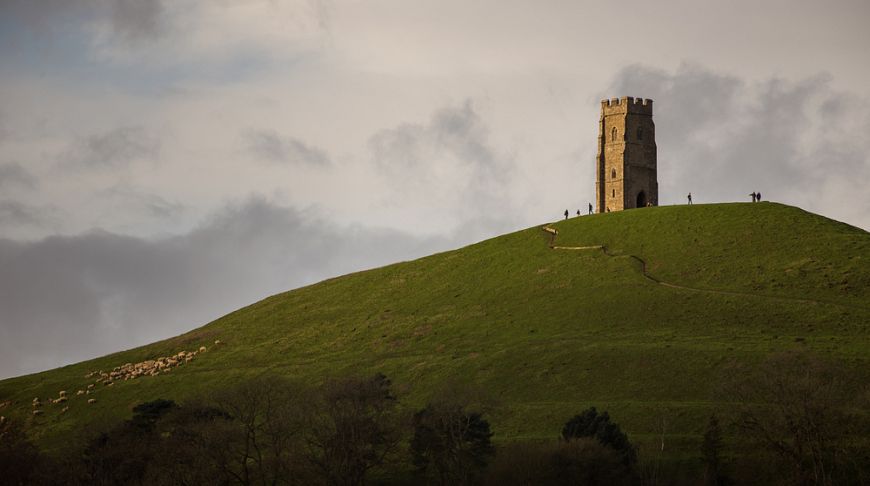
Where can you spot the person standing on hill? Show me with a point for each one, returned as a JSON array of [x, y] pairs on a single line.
[[758, 197], [754, 196], [690, 198], [590, 208], [566, 214], [578, 212]]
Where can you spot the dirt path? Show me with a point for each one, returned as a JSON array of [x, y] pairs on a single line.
[[554, 233]]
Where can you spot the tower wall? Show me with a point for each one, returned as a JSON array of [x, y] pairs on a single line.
[[626, 169]]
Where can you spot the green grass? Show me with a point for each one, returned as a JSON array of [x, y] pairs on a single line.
[[545, 333]]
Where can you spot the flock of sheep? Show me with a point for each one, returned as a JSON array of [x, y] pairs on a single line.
[[128, 371]]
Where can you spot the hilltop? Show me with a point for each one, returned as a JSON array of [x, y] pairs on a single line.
[[641, 323]]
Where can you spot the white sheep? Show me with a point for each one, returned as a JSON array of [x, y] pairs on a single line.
[[92, 400]]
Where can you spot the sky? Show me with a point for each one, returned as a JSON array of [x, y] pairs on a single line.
[[163, 163]]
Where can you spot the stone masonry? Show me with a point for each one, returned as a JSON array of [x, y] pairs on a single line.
[[625, 175]]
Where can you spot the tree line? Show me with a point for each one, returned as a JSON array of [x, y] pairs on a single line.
[[792, 420]]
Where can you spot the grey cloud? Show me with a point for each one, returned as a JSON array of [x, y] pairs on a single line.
[[269, 145], [13, 174], [16, 214], [458, 132], [66, 299], [451, 153], [138, 200], [800, 142], [130, 20], [115, 148], [137, 20]]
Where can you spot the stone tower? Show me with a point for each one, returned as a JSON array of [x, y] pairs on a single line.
[[625, 175]]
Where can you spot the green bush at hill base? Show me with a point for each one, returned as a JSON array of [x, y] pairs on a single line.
[[543, 333]]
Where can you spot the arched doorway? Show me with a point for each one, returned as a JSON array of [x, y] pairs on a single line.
[[641, 199]]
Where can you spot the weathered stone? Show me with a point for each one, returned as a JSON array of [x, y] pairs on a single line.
[[626, 167]]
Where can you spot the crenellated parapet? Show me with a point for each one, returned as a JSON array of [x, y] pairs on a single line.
[[627, 104]]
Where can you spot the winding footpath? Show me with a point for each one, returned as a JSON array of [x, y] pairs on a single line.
[[554, 233]]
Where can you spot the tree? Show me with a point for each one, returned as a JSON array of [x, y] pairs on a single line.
[[261, 443], [802, 410], [450, 443], [711, 454], [590, 423], [123, 454], [20, 460], [353, 426]]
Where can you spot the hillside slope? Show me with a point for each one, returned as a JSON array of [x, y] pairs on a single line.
[[544, 332]]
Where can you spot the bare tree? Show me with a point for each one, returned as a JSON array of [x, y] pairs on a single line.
[[353, 426], [450, 442], [260, 443], [800, 408]]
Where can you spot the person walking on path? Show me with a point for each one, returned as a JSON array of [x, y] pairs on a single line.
[[758, 196], [566, 214], [754, 196], [690, 198], [590, 208]]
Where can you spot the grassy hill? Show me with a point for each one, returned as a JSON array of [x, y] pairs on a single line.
[[642, 328]]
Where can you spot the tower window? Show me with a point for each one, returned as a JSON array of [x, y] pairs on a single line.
[[613, 134], [613, 193], [640, 133], [613, 173]]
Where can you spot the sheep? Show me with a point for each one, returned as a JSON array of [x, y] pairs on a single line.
[[80, 392], [37, 412], [217, 342], [92, 400], [64, 409], [60, 400], [202, 349], [91, 386], [61, 393]]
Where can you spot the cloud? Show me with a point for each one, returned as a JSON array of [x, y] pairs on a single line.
[[14, 214], [66, 299], [721, 137], [115, 148], [13, 174], [447, 164], [134, 200], [127, 21], [136, 20], [269, 145]]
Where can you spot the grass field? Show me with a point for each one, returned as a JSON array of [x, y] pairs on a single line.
[[543, 333]]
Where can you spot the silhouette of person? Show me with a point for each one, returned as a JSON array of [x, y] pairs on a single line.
[[690, 198], [578, 212], [758, 196], [566, 214], [590, 208], [754, 196]]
